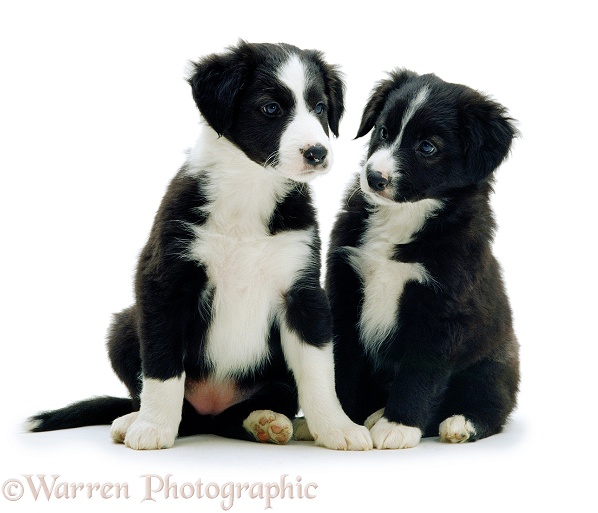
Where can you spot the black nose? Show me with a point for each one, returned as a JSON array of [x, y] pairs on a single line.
[[315, 155], [375, 180]]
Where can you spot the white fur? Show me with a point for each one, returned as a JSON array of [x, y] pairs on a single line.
[[373, 418], [30, 425], [456, 429], [391, 435], [313, 369], [157, 422], [121, 425], [304, 130], [249, 269], [384, 279], [418, 100]]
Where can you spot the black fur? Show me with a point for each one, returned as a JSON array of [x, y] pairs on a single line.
[[453, 351], [163, 334]]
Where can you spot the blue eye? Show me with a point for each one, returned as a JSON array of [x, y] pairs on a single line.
[[271, 109], [319, 108], [426, 147], [383, 132]]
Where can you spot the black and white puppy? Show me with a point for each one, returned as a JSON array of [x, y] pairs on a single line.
[[231, 331], [424, 343]]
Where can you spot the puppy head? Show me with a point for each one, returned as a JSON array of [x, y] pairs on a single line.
[[277, 103], [430, 138]]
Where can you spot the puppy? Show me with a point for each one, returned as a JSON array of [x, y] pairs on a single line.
[[424, 342], [230, 332]]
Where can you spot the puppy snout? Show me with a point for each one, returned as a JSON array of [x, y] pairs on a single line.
[[315, 155], [376, 180]]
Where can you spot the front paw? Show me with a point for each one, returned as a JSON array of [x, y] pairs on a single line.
[[391, 435], [146, 435], [348, 437], [121, 425]]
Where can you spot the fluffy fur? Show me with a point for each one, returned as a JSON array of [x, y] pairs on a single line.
[[423, 331], [230, 320]]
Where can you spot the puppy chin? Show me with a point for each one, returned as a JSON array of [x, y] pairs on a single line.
[[304, 173]]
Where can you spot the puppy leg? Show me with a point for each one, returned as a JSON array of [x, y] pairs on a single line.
[[313, 368], [414, 394], [157, 422], [478, 402]]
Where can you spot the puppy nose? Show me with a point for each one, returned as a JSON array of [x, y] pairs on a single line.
[[315, 155], [376, 180]]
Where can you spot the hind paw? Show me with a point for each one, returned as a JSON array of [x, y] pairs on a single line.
[[373, 418], [269, 426], [301, 430], [456, 430]]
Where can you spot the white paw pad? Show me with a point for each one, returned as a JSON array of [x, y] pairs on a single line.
[[456, 429], [269, 426], [391, 435]]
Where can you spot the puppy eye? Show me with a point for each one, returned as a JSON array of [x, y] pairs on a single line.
[[383, 132], [319, 108], [426, 147], [271, 109]]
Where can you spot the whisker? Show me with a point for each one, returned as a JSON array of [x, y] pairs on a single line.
[[355, 189], [272, 159]]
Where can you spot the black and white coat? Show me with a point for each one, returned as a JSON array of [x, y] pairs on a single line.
[[230, 332], [424, 342]]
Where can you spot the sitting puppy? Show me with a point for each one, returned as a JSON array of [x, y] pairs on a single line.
[[424, 343], [231, 332]]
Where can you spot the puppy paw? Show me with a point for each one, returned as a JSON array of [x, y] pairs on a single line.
[[391, 435], [269, 426], [121, 425], [146, 435], [301, 430], [456, 429], [347, 437], [373, 418]]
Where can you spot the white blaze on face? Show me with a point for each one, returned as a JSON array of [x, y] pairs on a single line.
[[384, 160], [304, 128]]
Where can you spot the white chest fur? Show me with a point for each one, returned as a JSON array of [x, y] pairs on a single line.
[[384, 279], [248, 269]]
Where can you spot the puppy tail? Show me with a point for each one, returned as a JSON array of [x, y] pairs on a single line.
[[91, 412]]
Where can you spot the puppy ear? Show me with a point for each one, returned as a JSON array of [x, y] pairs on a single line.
[[382, 90], [334, 88], [215, 83], [487, 132]]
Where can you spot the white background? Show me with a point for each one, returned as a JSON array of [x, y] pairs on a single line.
[[95, 117]]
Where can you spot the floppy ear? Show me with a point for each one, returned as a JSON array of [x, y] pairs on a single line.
[[382, 90], [487, 132], [334, 87], [215, 83]]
